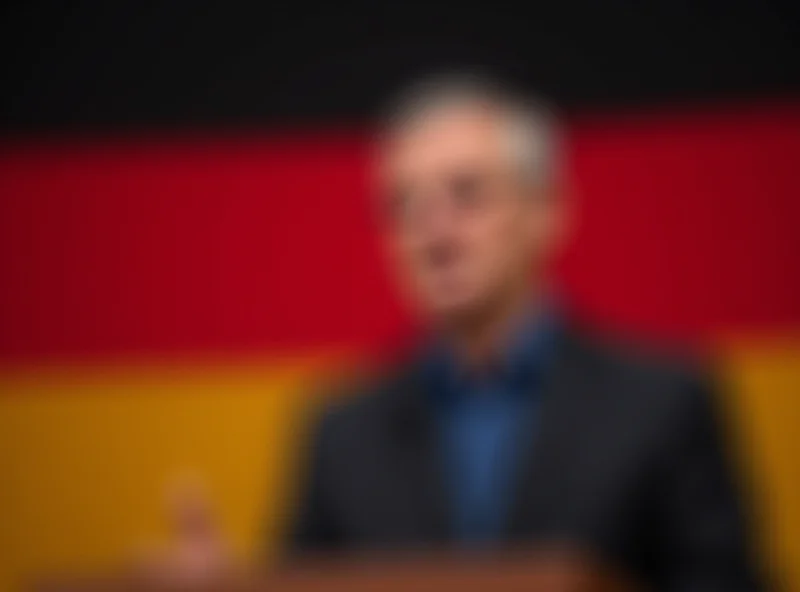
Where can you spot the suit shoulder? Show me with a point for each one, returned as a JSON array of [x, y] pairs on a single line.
[[356, 403], [637, 355], [656, 375]]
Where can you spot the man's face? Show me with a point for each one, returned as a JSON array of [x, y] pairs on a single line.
[[463, 226]]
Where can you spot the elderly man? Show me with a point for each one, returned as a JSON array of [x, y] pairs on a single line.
[[509, 426]]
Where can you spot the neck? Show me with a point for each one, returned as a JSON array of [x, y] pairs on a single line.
[[478, 336]]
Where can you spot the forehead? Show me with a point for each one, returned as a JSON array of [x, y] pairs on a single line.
[[445, 137]]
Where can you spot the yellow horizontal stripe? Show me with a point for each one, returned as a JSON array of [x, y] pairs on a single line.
[[763, 380], [86, 455], [86, 451]]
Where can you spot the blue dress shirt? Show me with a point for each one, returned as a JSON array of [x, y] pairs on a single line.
[[482, 423]]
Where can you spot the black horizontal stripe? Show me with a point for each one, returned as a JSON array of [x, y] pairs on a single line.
[[101, 64]]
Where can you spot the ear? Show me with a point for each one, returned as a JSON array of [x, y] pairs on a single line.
[[551, 219], [563, 217]]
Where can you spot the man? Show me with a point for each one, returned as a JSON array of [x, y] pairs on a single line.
[[510, 427]]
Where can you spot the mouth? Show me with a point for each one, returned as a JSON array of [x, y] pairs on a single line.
[[443, 257]]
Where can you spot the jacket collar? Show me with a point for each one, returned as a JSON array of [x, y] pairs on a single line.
[[565, 382], [518, 366]]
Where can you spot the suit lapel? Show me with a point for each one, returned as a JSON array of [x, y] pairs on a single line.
[[550, 442], [548, 445], [420, 465]]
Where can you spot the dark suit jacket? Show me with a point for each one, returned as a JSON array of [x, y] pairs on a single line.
[[626, 461]]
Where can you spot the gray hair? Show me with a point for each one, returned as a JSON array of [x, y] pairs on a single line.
[[532, 131]]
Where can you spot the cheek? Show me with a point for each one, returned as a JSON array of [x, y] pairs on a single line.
[[409, 260], [500, 238]]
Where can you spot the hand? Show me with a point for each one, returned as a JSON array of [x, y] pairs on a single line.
[[197, 553]]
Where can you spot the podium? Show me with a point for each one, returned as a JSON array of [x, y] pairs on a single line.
[[551, 572]]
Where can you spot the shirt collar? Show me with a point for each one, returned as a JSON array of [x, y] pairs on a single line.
[[519, 365]]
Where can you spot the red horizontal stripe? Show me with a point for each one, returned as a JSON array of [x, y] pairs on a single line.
[[688, 226]]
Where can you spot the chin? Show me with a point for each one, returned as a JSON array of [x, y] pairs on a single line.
[[454, 307]]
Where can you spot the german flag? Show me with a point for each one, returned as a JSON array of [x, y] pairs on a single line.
[[187, 245]]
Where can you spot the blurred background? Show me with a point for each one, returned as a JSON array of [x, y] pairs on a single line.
[[187, 245]]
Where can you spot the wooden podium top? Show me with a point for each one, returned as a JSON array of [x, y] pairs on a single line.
[[478, 573]]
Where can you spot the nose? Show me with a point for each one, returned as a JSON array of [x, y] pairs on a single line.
[[438, 216], [438, 232]]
